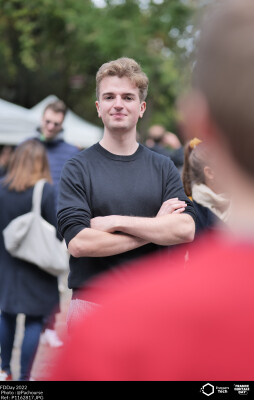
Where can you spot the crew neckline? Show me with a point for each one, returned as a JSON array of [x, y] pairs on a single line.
[[117, 157]]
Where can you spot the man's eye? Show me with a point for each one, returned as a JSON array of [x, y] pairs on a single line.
[[129, 98]]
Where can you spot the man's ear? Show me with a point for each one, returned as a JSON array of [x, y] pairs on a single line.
[[142, 109], [194, 117], [98, 108]]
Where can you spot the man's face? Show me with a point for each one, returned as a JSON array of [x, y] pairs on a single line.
[[119, 105], [52, 123]]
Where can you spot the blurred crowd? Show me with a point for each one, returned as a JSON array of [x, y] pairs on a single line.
[[24, 287], [170, 315]]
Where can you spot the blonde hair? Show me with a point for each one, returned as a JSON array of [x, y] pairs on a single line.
[[124, 67], [28, 164]]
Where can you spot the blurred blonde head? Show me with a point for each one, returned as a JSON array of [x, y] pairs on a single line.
[[200, 167], [29, 164]]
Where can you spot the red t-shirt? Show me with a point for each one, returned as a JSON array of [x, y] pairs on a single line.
[[171, 318]]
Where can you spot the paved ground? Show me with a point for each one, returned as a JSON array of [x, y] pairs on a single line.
[[45, 355]]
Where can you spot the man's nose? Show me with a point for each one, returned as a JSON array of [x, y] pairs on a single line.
[[51, 126], [118, 102]]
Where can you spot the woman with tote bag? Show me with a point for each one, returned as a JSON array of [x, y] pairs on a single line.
[[24, 287]]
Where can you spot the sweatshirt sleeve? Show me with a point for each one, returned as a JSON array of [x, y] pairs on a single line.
[[73, 211]]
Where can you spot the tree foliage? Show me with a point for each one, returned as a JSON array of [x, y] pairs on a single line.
[[57, 46]]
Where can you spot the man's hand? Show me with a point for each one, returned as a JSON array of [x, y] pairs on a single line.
[[172, 206]]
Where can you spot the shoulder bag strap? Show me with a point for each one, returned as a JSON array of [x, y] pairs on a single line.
[[37, 195]]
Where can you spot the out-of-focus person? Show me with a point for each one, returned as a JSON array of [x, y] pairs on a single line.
[[165, 143], [192, 321], [51, 134], [171, 141], [5, 155], [202, 184], [24, 288], [154, 139], [173, 144]]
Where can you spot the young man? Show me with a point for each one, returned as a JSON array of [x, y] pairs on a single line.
[[118, 200], [50, 133], [194, 323]]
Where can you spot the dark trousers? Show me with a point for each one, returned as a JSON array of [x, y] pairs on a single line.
[[33, 328]]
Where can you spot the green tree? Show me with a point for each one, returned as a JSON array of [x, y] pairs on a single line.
[[57, 46]]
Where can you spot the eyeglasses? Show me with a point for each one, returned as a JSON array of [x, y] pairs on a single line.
[[56, 124]]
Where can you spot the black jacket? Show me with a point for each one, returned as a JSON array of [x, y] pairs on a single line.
[[24, 288]]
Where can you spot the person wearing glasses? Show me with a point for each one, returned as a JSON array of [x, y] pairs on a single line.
[[50, 133]]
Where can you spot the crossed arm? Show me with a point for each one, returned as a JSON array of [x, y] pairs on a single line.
[[114, 234]]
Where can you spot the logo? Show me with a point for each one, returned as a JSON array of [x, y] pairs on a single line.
[[207, 389], [242, 389]]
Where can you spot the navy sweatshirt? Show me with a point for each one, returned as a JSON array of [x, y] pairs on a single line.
[[98, 183], [58, 152]]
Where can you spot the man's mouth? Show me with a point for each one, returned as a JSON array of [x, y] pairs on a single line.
[[118, 115]]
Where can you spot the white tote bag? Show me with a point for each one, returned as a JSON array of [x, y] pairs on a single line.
[[31, 238]]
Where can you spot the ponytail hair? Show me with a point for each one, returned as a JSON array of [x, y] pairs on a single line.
[[195, 159]]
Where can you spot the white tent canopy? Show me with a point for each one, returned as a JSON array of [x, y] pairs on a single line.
[[18, 123], [15, 123]]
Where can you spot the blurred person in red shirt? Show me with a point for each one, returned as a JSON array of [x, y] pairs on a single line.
[[192, 319]]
